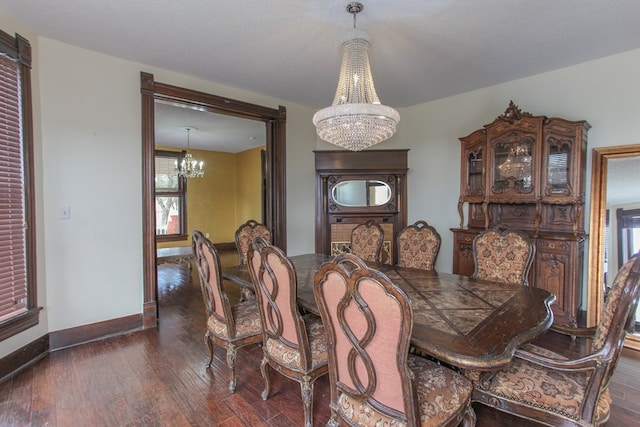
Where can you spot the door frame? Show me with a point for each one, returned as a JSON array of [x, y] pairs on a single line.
[[275, 206]]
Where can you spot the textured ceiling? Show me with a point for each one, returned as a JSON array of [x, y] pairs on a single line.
[[422, 49], [289, 49], [209, 131]]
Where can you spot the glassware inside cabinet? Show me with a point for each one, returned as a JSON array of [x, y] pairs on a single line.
[[512, 162]]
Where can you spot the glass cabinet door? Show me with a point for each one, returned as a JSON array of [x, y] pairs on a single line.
[[472, 180], [512, 162], [563, 160], [475, 175], [558, 161]]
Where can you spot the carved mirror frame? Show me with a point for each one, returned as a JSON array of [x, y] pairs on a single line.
[[597, 223], [275, 212]]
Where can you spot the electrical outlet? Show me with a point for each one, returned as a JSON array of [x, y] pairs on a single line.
[[206, 235]]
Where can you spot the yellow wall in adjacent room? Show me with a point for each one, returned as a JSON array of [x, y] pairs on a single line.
[[249, 186], [218, 202]]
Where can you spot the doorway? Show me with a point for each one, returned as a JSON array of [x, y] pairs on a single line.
[[274, 206]]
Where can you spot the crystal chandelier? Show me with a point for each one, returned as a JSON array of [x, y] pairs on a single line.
[[356, 120], [189, 167]]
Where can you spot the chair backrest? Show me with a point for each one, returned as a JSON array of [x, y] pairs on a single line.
[[418, 246], [368, 321], [275, 282], [503, 255], [215, 299], [618, 317], [366, 241], [245, 234]]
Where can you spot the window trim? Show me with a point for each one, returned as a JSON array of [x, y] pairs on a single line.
[[19, 48], [182, 193]]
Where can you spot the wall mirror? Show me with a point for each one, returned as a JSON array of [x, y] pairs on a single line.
[[361, 193], [275, 199], [614, 192]]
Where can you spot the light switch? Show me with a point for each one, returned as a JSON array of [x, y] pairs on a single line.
[[65, 213]]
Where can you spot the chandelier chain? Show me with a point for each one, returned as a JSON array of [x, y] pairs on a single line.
[[354, 8]]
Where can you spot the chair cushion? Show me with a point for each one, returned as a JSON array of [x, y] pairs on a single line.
[[365, 242], [552, 390], [418, 249], [247, 321], [441, 393], [501, 258], [290, 356]]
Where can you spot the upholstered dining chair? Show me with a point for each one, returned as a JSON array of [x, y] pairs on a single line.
[[293, 344], [366, 241], [557, 390], [373, 378], [502, 254], [418, 246], [229, 326], [244, 236]]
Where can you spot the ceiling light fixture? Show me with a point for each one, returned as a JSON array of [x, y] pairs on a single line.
[[189, 167], [356, 120]]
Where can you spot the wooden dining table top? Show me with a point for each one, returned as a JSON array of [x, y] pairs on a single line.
[[464, 322]]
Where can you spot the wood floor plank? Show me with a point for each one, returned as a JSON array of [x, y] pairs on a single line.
[[44, 396], [245, 411], [158, 377], [18, 407]]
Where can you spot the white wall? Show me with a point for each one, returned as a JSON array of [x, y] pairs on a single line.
[[88, 157]]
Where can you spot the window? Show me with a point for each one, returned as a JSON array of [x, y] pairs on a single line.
[[18, 302], [171, 217]]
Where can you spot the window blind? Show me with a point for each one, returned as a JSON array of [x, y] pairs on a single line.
[[13, 263]]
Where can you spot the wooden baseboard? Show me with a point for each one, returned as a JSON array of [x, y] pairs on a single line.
[[23, 357], [225, 246], [150, 315], [94, 331], [36, 350]]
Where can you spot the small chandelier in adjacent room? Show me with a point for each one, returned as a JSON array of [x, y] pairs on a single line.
[[356, 120], [189, 167]]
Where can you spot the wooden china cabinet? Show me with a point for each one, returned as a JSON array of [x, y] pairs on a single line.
[[354, 187], [528, 172]]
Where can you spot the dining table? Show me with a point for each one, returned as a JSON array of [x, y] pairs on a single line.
[[464, 322]]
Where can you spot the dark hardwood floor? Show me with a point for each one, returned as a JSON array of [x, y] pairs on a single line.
[[157, 377]]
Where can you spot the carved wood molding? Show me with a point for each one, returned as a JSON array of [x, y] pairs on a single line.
[[513, 113]]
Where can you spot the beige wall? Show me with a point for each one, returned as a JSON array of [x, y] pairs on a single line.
[[603, 92], [88, 157]]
